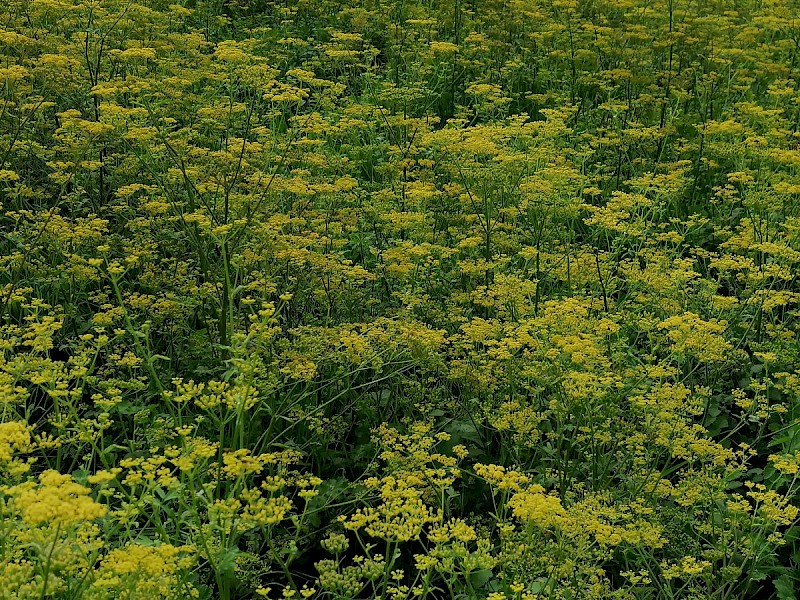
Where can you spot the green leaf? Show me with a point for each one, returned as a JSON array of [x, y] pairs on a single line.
[[227, 560], [785, 588], [479, 579]]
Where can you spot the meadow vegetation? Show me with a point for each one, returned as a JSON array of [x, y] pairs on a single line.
[[491, 299]]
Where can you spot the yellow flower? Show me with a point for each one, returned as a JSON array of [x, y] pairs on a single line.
[[534, 506], [57, 499], [14, 437], [443, 47], [144, 572]]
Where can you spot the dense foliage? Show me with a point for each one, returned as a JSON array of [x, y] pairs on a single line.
[[399, 299]]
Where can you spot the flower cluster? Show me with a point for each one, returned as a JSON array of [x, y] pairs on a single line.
[[399, 299]]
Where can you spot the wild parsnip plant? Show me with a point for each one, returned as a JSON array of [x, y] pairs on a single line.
[[397, 299]]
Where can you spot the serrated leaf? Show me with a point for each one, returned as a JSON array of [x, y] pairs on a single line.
[[479, 579], [785, 588]]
